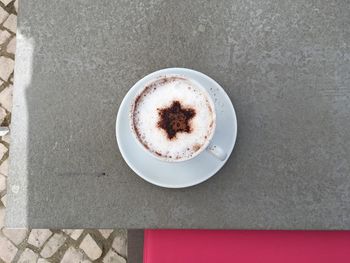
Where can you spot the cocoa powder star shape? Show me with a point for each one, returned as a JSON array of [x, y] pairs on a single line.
[[175, 118]]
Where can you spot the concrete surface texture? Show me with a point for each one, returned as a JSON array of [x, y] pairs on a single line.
[[285, 66], [42, 245]]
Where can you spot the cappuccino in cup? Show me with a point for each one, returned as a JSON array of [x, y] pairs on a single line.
[[174, 118]]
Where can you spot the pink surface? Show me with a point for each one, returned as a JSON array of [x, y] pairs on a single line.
[[182, 246]]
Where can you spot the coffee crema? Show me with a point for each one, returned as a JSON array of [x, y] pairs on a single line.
[[173, 118]]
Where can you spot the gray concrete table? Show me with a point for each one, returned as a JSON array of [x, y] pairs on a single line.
[[285, 65]]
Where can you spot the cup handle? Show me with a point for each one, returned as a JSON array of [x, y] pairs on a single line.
[[217, 152]]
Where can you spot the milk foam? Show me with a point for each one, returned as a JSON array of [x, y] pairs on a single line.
[[161, 94]]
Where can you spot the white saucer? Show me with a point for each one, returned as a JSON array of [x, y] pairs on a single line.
[[181, 174]]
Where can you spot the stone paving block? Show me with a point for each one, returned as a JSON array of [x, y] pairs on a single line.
[[43, 260], [91, 249], [4, 36], [112, 257], [4, 199], [4, 167], [3, 150], [11, 46], [54, 243], [3, 15], [72, 255], [2, 216], [2, 114], [120, 245], [38, 237], [76, 233], [11, 23], [7, 249], [15, 235], [6, 98], [6, 2], [16, 5], [6, 67], [68, 231], [106, 232], [28, 256], [6, 138], [2, 183]]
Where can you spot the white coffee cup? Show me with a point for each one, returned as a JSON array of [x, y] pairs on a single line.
[[176, 96]]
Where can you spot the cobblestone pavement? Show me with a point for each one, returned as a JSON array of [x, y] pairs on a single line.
[[42, 245]]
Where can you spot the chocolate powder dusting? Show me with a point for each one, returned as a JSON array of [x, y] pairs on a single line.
[[175, 118], [196, 147]]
